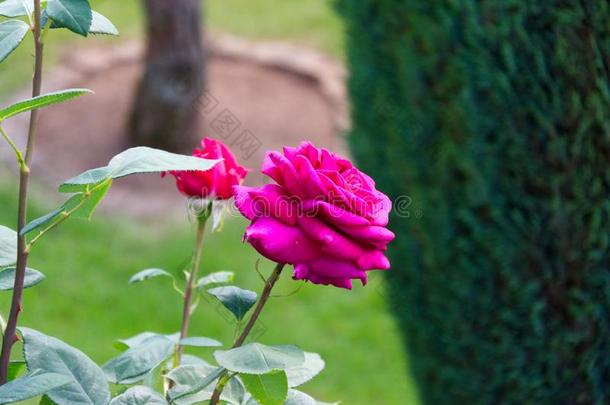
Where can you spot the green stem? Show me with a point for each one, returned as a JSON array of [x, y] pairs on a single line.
[[10, 336], [251, 322], [18, 153], [190, 286], [64, 216]]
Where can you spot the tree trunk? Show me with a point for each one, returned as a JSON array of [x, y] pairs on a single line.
[[165, 113]]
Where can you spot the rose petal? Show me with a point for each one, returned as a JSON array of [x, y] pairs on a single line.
[[289, 175], [373, 260], [333, 213], [302, 272], [310, 180], [332, 241], [280, 242], [367, 234]]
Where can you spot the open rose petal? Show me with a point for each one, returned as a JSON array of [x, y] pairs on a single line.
[[332, 242], [335, 233], [280, 242]]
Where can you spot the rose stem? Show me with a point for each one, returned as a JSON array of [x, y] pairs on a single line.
[[10, 336], [244, 334], [188, 293]]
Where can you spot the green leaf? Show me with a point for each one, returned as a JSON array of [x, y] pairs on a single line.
[[140, 338], [185, 377], [16, 8], [74, 15], [123, 344], [46, 401], [92, 200], [40, 101], [267, 389], [200, 385], [12, 33], [299, 398], [235, 299], [54, 356], [7, 278], [32, 385], [299, 375], [81, 205], [133, 364], [136, 161], [148, 274], [256, 358], [139, 395], [14, 368], [8, 246], [219, 277], [102, 25], [199, 341]]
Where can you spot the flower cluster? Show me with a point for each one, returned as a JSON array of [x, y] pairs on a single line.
[[321, 214]]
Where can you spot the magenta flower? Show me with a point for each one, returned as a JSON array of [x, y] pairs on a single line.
[[324, 216], [216, 183]]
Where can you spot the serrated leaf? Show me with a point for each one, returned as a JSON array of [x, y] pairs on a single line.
[[16, 8], [235, 299], [140, 338], [44, 100], [185, 377], [133, 364], [102, 25], [123, 344], [256, 358], [199, 341], [299, 398], [91, 201], [54, 356], [74, 15], [7, 278], [137, 161], [299, 375], [139, 395], [148, 274], [36, 383], [8, 246], [197, 387], [267, 389], [12, 33], [81, 205], [219, 277]]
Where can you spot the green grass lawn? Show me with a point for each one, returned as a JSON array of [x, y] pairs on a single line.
[[87, 302]]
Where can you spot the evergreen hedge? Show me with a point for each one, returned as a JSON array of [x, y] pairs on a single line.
[[494, 118]]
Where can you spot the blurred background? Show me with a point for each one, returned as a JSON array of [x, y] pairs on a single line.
[[487, 123], [256, 75]]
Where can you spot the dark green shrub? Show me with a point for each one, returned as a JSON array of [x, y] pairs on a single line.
[[494, 117]]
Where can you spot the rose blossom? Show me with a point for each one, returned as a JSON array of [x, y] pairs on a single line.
[[218, 182], [324, 216]]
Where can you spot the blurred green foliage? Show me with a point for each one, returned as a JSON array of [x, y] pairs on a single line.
[[87, 302], [494, 118]]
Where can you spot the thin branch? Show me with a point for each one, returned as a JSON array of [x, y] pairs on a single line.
[[10, 336], [251, 322], [188, 308]]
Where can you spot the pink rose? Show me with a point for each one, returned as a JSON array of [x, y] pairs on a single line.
[[218, 182], [324, 216]]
